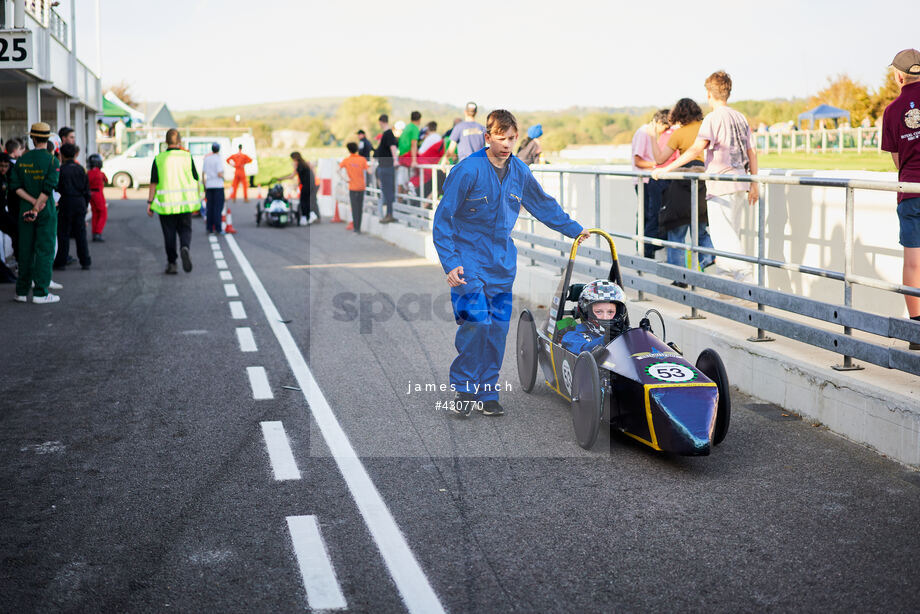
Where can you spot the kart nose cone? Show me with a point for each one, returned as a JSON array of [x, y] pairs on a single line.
[[684, 418]]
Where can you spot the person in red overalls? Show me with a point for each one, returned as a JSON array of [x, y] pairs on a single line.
[[238, 161], [97, 181]]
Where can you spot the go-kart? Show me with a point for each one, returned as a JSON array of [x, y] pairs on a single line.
[[640, 385], [276, 209]]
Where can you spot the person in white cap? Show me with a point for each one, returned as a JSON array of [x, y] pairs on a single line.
[[901, 137]]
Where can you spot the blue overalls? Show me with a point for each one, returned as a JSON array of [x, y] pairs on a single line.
[[472, 229], [581, 339]]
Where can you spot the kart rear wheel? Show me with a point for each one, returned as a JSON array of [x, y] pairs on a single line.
[[258, 216], [586, 400], [710, 364], [527, 351]]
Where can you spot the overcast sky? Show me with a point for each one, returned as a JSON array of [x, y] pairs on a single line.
[[523, 55]]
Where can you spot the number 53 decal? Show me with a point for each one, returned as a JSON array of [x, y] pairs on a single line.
[[670, 372]]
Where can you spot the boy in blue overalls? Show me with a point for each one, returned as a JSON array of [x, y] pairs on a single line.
[[483, 196]]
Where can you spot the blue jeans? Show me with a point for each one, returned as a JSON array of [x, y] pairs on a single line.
[[680, 234], [651, 195], [215, 200], [386, 175]]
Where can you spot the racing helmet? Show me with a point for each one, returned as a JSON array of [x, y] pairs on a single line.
[[94, 161], [603, 291]]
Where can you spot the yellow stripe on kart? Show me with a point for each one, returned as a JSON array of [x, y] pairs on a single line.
[[648, 407]]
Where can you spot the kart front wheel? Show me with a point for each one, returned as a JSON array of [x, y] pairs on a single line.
[[586, 400], [527, 351], [710, 364], [258, 217]]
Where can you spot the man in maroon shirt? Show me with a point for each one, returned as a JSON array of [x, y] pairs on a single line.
[[901, 137]]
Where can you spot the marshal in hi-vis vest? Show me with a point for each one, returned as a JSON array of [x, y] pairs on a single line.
[[177, 190]]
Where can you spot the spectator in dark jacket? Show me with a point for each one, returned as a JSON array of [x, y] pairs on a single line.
[[73, 186]]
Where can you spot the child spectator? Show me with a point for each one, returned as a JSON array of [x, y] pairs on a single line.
[[602, 309], [73, 186], [355, 166], [97, 181]]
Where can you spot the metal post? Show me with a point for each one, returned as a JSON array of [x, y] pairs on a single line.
[[640, 227], [848, 364], [761, 252], [839, 140], [694, 239], [561, 201], [859, 139]]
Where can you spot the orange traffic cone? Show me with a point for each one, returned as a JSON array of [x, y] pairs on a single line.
[[124, 193], [227, 219], [351, 226], [335, 218]]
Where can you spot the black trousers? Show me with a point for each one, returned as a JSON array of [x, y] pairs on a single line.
[[72, 223], [357, 207], [172, 225], [10, 225]]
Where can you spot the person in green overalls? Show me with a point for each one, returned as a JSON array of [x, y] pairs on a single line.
[[33, 179]]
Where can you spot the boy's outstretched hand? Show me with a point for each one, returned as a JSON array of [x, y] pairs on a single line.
[[454, 279], [584, 235]]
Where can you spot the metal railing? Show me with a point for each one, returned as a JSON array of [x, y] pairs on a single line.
[[411, 210]]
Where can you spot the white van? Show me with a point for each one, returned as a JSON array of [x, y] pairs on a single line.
[[132, 168]]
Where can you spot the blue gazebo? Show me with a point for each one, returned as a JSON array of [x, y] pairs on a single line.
[[823, 111]]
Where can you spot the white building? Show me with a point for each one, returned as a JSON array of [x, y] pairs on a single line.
[[50, 67]]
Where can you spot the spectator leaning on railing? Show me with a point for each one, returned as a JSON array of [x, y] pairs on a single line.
[[726, 138], [901, 137]]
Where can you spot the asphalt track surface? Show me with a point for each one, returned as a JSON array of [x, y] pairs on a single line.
[[135, 476]]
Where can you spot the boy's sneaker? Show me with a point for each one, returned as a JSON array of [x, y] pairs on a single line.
[[19, 298], [491, 408], [171, 268], [463, 404], [48, 298], [186, 260]]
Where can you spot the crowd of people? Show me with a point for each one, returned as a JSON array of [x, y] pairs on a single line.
[[45, 194], [682, 139]]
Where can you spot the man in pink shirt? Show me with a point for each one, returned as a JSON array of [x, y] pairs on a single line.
[[644, 159], [725, 135]]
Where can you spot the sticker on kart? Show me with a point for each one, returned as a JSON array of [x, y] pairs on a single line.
[[671, 372]]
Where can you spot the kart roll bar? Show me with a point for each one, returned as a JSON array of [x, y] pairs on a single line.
[[614, 274]]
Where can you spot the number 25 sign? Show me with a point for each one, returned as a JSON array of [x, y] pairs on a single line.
[[15, 49]]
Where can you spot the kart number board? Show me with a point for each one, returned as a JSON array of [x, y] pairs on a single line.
[[670, 372]]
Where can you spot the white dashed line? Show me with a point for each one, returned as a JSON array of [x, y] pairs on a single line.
[[221, 264], [407, 574], [279, 451], [218, 255], [237, 311], [215, 246], [247, 341], [230, 290], [212, 238], [258, 379], [323, 591], [226, 275]]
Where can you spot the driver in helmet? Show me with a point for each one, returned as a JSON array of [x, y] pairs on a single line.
[[602, 309]]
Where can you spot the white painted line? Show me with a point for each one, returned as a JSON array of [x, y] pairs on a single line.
[[237, 311], [279, 451], [230, 290], [215, 246], [247, 341], [405, 570], [323, 592], [226, 275], [218, 255], [221, 264], [258, 379], [212, 238]]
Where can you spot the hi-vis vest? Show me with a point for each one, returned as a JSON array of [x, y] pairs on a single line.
[[177, 190]]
